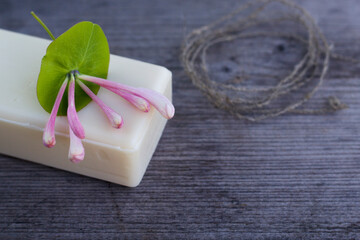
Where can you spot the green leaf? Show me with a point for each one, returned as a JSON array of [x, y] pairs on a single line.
[[84, 48]]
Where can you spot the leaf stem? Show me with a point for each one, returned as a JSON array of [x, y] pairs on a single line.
[[43, 25]]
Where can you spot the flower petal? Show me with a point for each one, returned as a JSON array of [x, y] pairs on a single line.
[[137, 101], [49, 132], [76, 150], [160, 102], [72, 116], [114, 118]]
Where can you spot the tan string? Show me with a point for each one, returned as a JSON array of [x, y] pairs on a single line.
[[255, 20]]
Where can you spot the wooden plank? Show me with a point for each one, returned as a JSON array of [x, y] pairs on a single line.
[[212, 176]]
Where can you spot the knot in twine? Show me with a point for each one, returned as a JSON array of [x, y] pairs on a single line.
[[257, 20]]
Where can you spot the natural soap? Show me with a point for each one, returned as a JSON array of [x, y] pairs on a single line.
[[116, 155]]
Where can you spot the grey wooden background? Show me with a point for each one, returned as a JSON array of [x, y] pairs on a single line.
[[212, 176]]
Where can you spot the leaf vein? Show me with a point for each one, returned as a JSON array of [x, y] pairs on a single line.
[[87, 45]]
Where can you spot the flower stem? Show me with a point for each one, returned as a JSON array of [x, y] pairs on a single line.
[[43, 25]]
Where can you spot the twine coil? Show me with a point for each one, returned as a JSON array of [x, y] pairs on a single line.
[[256, 103]]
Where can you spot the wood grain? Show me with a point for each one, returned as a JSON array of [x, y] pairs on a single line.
[[212, 176]]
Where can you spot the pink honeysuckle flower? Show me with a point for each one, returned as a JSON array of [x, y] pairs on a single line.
[[76, 150], [139, 97], [72, 116], [160, 102], [138, 102], [114, 118], [49, 132]]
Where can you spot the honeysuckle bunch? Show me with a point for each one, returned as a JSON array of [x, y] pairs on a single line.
[[76, 63], [141, 98]]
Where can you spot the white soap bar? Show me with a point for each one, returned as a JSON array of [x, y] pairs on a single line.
[[116, 155]]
